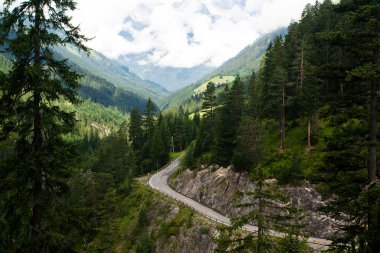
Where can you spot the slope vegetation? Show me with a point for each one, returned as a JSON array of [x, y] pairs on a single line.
[[101, 67]]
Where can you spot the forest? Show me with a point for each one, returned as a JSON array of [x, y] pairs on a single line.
[[309, 113]]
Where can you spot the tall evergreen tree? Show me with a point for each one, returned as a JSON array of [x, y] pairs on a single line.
[[209, 99], [254, 96], [271, 209], [208, 105], [135, 130], [228, 123], [206, 134], [149, 118], [277, 82], [34, 179], [357, 38]]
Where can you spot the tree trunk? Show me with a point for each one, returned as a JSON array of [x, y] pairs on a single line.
[[309, 147], [373, 134], [282, 120], [302, 68], [260, 235]]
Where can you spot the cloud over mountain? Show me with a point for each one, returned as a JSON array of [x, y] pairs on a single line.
[[181, 33]]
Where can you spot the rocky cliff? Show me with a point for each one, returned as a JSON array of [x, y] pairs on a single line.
[[216, 187]]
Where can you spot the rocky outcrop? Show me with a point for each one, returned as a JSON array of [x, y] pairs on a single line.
[[216, 187], [197, 238], [187, 234]]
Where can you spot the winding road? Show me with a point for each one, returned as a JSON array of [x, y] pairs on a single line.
[[159, 181]]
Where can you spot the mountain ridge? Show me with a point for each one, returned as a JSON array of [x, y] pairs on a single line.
[[247, 60]]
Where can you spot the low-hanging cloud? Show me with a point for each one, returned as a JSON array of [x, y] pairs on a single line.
[[181, 33]]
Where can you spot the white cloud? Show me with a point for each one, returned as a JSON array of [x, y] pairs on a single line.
[[182, 33]]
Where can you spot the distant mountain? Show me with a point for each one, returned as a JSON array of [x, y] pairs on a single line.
[[242, 64], [169, 77], [99, 66], [105, 82]]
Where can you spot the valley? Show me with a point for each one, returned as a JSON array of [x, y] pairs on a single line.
[[189, 126]]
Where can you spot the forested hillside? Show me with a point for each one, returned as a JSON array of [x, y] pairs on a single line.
[[309, 113], [99, 67], [98, 89]]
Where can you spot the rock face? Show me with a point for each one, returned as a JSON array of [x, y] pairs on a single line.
[[192, 239], [216, 187], [196, 236]]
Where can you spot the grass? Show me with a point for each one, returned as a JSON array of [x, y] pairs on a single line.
[[295, 162], [218, 81], [175, 155], [184, 218]]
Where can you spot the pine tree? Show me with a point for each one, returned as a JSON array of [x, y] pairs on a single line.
[[149, 118], [158, 154], [275, 79], [228, 123], [279, 78], [209, 99], [206, 134], [135, 130], [208, 105], [271, 209], [254, 96], [300, 46], [34, 179], [249, 144], [357, 38]]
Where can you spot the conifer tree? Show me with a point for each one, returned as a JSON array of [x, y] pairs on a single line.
[[254, 96], [34, 179], [357, 38], [209, 99], [149, 118], [271, 209], [208, 105], [275, 80], [249, 144], [135, 130], [228, 123], [279, 77]]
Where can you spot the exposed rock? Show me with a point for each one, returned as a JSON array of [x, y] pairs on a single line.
[[217, 189], [190, 240]]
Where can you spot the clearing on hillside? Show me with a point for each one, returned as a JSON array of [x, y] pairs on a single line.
[[218, 81]]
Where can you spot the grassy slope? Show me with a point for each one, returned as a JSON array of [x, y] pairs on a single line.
[[218, 81], [184, 97], [295, 162], [115, 73]]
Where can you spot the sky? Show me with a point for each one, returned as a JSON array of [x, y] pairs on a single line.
[[181, 33]]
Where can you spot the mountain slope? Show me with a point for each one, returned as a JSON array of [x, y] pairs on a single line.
[[97, 88], [242, 64], [101, 67], [169, 77], [249, 58]]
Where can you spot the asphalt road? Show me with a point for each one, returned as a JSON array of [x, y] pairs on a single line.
[[159, 181]]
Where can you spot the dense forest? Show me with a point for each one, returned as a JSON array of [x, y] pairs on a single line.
[[309, 113]]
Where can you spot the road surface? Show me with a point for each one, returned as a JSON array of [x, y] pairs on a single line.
[[159, 181]]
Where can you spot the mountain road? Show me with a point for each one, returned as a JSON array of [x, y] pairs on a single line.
[[159, 182]]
